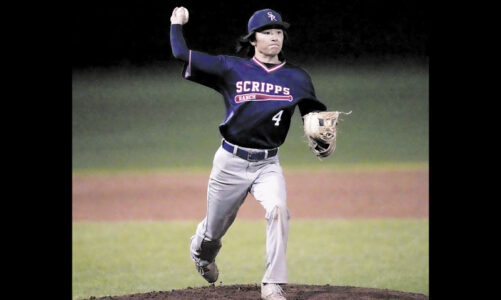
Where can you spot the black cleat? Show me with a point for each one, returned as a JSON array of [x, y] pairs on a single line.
[[209, 272]]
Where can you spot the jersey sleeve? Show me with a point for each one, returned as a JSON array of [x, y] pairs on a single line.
[[204, 69], [309, 101], [177, 42], [199, 67]]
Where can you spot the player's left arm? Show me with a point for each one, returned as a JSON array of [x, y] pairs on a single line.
[[307, 106], [320, 125], [309, 102]]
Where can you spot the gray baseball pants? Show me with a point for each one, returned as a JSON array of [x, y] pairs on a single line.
[[230, 180]]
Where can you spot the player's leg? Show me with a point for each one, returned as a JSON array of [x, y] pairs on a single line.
[[269, 189], [227, 188]]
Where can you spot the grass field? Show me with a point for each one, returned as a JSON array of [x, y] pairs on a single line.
[[137, 257], [144, 118]]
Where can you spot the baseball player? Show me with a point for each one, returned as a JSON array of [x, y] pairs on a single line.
[[260, 94]]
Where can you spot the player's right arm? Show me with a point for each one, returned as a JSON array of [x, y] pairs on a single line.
[[178, 44], [197, 60], [179, 48]]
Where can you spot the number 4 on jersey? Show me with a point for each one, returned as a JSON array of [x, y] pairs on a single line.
[[277, 117]]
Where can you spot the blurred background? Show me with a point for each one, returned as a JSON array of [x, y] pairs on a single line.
[[132, 110]]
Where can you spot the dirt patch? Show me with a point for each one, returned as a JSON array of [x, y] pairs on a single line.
[[161, 196], [336, 194], [253, 292]]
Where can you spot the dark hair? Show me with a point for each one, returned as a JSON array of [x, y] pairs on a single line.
[[245, 49]]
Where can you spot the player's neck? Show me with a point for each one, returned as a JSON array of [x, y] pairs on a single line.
[[266, 58]]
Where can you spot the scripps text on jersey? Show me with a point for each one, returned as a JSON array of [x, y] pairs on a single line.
[[261, 91]]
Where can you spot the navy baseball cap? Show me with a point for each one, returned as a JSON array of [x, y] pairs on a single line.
[[264, 18]]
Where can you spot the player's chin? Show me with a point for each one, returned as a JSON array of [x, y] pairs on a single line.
[[274, 50]]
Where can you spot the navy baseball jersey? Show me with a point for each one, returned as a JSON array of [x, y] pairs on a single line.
[[260, 98]]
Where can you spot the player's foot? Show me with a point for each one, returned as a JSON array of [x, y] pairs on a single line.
[[209, 272], [272, 291]]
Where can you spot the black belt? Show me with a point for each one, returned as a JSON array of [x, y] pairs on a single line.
[[250, 156]]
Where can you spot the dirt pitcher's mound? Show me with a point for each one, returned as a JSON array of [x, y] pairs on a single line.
[[253, 292]]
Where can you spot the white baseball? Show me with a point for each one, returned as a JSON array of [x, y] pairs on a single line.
[[183, 14]]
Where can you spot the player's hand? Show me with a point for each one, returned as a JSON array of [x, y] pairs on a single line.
[[180, 15]]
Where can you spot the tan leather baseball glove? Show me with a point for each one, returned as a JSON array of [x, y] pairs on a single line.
[[320, 129]]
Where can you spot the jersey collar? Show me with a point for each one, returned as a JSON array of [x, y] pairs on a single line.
[[268, 70]]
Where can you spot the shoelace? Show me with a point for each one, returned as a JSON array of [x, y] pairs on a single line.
[[203, 270]]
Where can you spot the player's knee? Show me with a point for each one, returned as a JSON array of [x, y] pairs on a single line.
[[278, 212]]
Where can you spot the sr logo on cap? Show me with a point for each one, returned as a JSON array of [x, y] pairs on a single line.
[[262, 18]]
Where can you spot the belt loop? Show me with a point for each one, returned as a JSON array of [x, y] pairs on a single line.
[[265, 154], [235, 148]]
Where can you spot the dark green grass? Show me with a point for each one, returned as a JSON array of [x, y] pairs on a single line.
[[139, 257], [144, 118]]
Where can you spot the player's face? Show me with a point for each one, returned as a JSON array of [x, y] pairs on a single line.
[[269, 41]]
